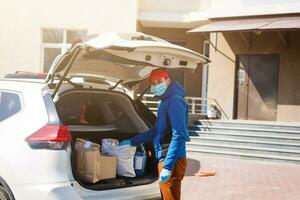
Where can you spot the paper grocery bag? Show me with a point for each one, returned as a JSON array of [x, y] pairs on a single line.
[[87, 160], [108, 167], [78, 152], [91, 170]]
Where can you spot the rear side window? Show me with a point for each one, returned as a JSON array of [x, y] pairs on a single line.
[[10, 104]]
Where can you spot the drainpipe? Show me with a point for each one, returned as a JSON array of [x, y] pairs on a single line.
[[204, 85], [206, 45]]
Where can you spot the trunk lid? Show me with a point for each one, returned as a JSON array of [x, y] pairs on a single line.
[[129, 57]]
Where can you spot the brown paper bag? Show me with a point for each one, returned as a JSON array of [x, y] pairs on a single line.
[[88, 161], [108, 167]]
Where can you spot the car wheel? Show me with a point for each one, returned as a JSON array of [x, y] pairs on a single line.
[[3, 194]]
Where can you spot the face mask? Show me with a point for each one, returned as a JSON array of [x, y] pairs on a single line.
[[159, 89]]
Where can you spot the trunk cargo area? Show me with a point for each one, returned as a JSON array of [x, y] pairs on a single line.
[[96, 115], [118, 182]]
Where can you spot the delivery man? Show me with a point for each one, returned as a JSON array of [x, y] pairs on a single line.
[[169, 135]]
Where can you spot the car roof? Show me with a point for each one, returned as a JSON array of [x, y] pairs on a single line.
[[36, 84], [21, 84], [25, 80]]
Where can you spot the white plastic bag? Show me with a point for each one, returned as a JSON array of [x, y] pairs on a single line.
[[125, 155], [109, 146]]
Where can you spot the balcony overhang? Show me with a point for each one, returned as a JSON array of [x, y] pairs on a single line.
[[172, 20]]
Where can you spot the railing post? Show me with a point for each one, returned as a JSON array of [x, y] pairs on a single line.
[[193, 106], [205, 106]]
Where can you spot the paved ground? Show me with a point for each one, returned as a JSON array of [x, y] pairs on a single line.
[[239, 179]]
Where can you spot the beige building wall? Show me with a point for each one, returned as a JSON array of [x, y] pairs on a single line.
[[174, 6], [22, 21], [222, 70], [221, 74]]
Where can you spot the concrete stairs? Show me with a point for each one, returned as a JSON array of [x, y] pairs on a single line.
[[268, 141]]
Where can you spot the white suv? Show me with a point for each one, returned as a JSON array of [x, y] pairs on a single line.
[[85, 95]]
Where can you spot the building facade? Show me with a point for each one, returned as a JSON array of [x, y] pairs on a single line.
[[254, 73]]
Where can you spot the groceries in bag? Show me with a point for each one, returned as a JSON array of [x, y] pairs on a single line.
[[124, 154], [91, 166]]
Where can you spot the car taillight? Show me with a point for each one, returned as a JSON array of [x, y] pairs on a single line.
[[42, 75], [54, 137]]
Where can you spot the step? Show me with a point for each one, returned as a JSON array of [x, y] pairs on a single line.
[[260, 156], [248, 139], [249, 123], [247, 142], [242, 148], [242, 129], [246, 134]]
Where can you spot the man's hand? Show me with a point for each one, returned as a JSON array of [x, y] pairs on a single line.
[[125, 142], [165, 175]]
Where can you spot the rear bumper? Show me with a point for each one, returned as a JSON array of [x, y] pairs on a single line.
[[143, 192], [55, 191], [73, 191]]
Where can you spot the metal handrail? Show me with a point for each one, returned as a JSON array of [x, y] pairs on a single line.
[[195, 107]]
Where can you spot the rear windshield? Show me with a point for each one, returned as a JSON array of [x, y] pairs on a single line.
[[82, 108]]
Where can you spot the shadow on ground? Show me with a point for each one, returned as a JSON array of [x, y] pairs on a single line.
[[193, 166]]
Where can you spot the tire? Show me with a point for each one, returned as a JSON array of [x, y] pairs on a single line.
[[3, 194]]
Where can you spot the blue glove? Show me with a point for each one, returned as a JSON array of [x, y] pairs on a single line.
[[164, 175], [125, 142]]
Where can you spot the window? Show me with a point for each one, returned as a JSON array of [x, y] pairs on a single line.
[[57, 41], [10, 104]]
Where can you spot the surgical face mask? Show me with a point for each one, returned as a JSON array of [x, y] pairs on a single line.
[[159, 89]]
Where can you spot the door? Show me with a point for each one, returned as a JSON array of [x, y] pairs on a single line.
[[257, 84]]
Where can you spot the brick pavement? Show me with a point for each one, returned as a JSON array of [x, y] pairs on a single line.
[[240, 179]]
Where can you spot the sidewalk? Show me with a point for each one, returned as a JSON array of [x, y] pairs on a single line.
[[240, 179]]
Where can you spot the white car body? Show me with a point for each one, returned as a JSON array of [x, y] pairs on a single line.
[[44, 174]]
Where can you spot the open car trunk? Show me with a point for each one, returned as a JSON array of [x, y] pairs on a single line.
[[98, 114]]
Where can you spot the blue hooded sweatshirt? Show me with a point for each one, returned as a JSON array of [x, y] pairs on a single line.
[[172, 117]]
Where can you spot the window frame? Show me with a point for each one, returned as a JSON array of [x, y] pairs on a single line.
[[21, 103], [62, 46]]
